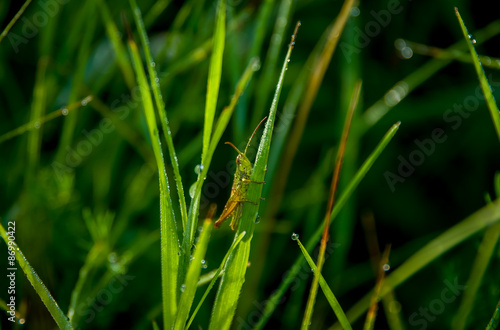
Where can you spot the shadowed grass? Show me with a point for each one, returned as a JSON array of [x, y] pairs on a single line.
[[14, 20]]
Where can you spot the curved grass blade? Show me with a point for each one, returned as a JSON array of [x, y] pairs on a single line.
[[296, 267], [37, 124], [193, 273], [495, 319], [479, 220], [14, 20], [160, 105], [337, 309], [485, 86], [236, 241], [234, 276], [37, 283], [169, 248]]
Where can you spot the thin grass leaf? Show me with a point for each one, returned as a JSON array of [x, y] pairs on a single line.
[[484, 254], [36, 282], [404, 87], [234, 276], [495, 319], [193, 273], [448, 54], [479, 220], [32, 125], [120, 50], [331, 200], [334, 304], [218, 272], [169, 248], [160, 105], [372, 311], [155, 11], [485, 86], [14, 20], [296, 267], [214, 75]]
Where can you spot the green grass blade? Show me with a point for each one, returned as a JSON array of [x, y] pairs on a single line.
[[35, 281], [38, 123], [169, 248], [160, 105], [479, 220], [14, 20], [296, 267], [234, 276], [114, 36], [483, 258], [236, 241], [332, 300], [485, 86], [214, 75], [495, 319], [193, 274], [155, 11]]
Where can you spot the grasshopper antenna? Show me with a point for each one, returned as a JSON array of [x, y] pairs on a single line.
[[232, 145], [253, 134]]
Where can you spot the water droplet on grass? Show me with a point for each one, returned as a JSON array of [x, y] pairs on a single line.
[[386, 267], [36, 125], [64, 111], [192, 190], [295, 236], [183, 287], [472, 38]]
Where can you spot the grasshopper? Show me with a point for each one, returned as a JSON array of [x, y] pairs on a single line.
[[234, 206]]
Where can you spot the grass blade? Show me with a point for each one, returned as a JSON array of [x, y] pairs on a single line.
[[14, 20], [495, 319], [236, 241], [296, 267], [485, 86], [214, 74], [337, 309], [193, 273], [169, 248], [38, 123], [35, 281], [160, 105], [234, 276], [479, 220]]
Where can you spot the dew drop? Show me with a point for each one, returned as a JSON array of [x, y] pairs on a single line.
[[22, 321], [295, 236], [153, 64], [257, 219], [407, 52], [288, 60], [198, 168], [183, 287], [204, 264], [64, 111], [256, 65], [399, 44], [192, 190], [84, 102], [386, 267], [355, 11], [472, 38], [36, 125]]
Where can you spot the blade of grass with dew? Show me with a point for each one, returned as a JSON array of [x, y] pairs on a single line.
[[337, 309], [495, 319], [13, 21], [216, 275], [120, 50], [331, 201], [234, 276], [372, 311], [194, 271], [479, 220], [453, 54], [214, 75], [275, 298], [404, 87], [169, 248], [160, 105], [36, 282], [220, 127], [314, 82], [485, 86], [37, 124]]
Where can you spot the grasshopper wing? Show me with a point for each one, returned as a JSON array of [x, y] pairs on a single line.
[[230, 207]]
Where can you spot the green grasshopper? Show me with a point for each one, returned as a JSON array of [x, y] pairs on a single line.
[[234, 206]]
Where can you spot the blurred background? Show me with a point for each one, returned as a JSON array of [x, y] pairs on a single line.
[[81, 186]]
